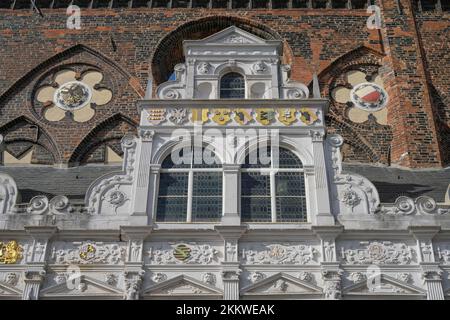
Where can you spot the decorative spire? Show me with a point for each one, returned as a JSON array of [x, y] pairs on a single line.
[[316, 87], [148, 91]]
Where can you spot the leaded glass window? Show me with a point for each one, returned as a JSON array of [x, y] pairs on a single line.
[[190, 191], [232, 86], [273, 192]]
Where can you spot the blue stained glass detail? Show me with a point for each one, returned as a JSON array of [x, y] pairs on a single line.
[[232, 86]]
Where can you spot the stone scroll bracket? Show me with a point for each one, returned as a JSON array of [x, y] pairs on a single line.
[[111, 194], [8, 193], [351, 194]]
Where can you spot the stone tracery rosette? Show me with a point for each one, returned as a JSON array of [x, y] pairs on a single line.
[[365, 97], [74, 94]]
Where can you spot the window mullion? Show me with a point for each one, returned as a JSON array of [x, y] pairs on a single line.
[[273, 199], [189, 199]]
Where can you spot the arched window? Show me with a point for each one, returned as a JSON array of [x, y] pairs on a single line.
[[190, 191], [232, 86], [273, 192]]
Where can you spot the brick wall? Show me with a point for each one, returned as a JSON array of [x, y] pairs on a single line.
[[142, 39]]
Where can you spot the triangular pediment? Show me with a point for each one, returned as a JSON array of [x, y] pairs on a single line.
[[182, 286], [281, 284], [88, 287], [7, 290], [387, 286], [231, 35]]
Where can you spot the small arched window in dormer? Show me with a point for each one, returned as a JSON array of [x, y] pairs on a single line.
[[232, 86]]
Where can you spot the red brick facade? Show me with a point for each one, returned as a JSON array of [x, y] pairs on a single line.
[[410, 52]]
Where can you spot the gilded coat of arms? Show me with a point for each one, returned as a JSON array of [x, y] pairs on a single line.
[[286, 116], [307, 116], [243, 116], [182, 252], [87, 251], [265, 116], [221, 116], [10, 252]]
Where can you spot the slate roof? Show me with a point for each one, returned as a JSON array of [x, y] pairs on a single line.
[[73, 182]]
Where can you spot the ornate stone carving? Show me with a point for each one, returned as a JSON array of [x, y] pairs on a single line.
[[375, 252], [159, 277], [89, 253], [115, 197], [435, 275], [427, 252], [422, 205], [350, 197], [8, 191], [306, 276], [156, 116], [257, 276], [328, 249], [60, 278], [209, 278], [189, 253], [11, 278], [172, 94], [332, 284], [178, 115], [146, 135], [259, 67], [38, 205], [10, 252], [132, 288], [280, 254], [102, 192], [204, 67], [111, 279], [404, 277], [356, 277], [296, 93]]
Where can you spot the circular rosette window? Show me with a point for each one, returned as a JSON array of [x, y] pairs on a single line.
[[74, 95], [367, 97]]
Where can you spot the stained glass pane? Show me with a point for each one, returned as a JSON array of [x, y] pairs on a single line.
[[171, 209], [207, 196], [173, 184], [290, 184], [287, 159], [232, 86], [255, 209], [291, 209], [255, 184], [172, 197], [258, 158]]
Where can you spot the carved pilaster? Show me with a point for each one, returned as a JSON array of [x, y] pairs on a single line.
[[323, 209], [432, 277], [331, 275], [424, 238], [135, 237], [33, 278], [140, 191], [39, 249], [132, 284], [230, 236], [230, 278], [231, 195], [327, 236]]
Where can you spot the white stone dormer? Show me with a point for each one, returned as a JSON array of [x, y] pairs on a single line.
[[252, 61]]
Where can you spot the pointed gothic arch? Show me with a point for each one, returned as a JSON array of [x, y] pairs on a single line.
[[107, 133], [162, 64]]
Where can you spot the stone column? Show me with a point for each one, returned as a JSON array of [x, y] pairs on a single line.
[[33, 278], [432, 276], [140, 186], [230, 265], [35, 271], [331, 275], [431, 273], [230, 278], [231, 197], [134, 260], [323, 213], [153, 188], [327, 236]]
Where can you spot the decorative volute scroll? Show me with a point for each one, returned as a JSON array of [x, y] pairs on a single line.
[[111, 193], [350, 193], [232, 50], [8, 193]]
